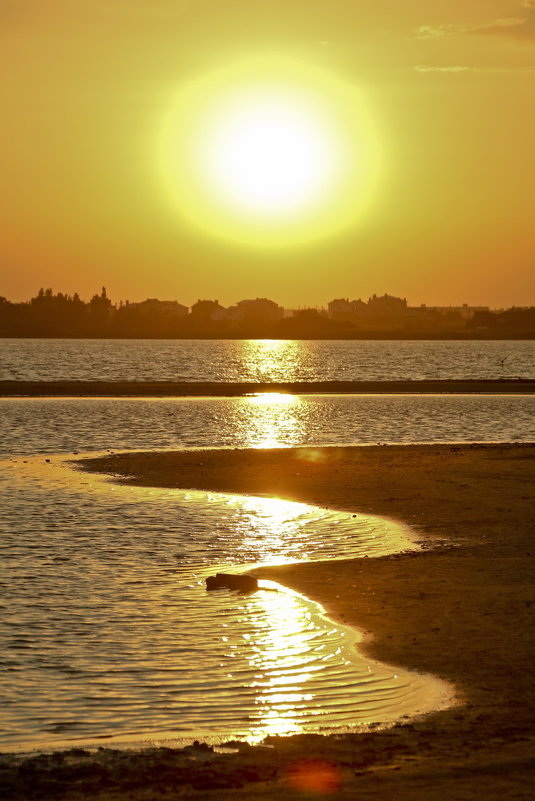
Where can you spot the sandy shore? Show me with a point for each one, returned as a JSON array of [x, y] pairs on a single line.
[[176, 389], [462, 609]]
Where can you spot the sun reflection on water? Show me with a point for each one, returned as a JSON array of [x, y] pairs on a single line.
[[281, 659], [268, 398], [271, 528], [271, 359], [271, 420]]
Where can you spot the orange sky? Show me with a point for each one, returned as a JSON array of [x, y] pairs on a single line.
[[449, 85]]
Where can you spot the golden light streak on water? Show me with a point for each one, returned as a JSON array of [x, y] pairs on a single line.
[[281, 664], [265, 358], [271, 398], [273, 419], [273, 422]]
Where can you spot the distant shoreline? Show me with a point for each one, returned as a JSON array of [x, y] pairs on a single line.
[[176, 389], [299, 336]]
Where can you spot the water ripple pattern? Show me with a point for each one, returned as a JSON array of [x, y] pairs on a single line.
[[108, 633], [262, 360], [45, 425]]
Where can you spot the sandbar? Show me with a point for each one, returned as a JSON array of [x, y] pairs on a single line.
[[179, 389]]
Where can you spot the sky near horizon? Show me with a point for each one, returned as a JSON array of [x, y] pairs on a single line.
[[448, 88]]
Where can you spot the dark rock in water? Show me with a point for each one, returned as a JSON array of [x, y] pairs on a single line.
[[229, 581], [202, 746]]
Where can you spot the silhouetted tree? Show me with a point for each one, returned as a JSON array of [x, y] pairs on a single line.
[[56, 315], [100, 312]]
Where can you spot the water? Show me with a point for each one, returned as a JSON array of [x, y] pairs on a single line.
[[262, 360], [108, 633], [54, 425]]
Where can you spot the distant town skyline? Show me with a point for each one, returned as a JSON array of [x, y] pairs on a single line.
[[307, 300], [50, 314], [340, 302]]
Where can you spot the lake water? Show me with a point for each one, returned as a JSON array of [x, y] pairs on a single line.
[[107, 633], [261, 360], [66, 425]]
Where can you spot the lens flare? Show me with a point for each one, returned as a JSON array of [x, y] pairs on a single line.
[[315, 777], [269, 152]]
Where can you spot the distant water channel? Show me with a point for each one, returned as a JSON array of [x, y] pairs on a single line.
[[68, 425], [262, 360]]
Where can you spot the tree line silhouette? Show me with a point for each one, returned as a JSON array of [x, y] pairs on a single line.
[[50, 314]]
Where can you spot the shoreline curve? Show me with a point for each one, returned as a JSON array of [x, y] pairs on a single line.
[[462, 609]]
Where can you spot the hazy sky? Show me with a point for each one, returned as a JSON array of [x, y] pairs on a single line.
[[450, 88]]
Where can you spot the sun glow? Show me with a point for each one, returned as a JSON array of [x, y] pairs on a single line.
[[269, 153]]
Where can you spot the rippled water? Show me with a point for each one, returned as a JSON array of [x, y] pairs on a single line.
[[108, 631], [261, 360], [53, 425]]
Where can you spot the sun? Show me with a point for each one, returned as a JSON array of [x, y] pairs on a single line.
[[268, 152]]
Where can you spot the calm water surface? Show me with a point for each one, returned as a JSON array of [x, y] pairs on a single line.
[[261, 360]]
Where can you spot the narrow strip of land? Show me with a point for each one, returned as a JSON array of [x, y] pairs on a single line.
[[178, 389]]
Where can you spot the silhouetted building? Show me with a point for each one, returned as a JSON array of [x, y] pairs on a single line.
[[257, 311], [465, 311], [441, 318], [345, 309], [387, 304], [154, 306], [208, 310]]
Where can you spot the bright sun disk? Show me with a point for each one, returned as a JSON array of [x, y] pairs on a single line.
[[269, 156], [269, 152]]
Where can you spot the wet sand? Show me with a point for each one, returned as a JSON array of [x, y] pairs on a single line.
[[462, 609], [175, 389]]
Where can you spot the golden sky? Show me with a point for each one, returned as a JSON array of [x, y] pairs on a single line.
[[449, 87]]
